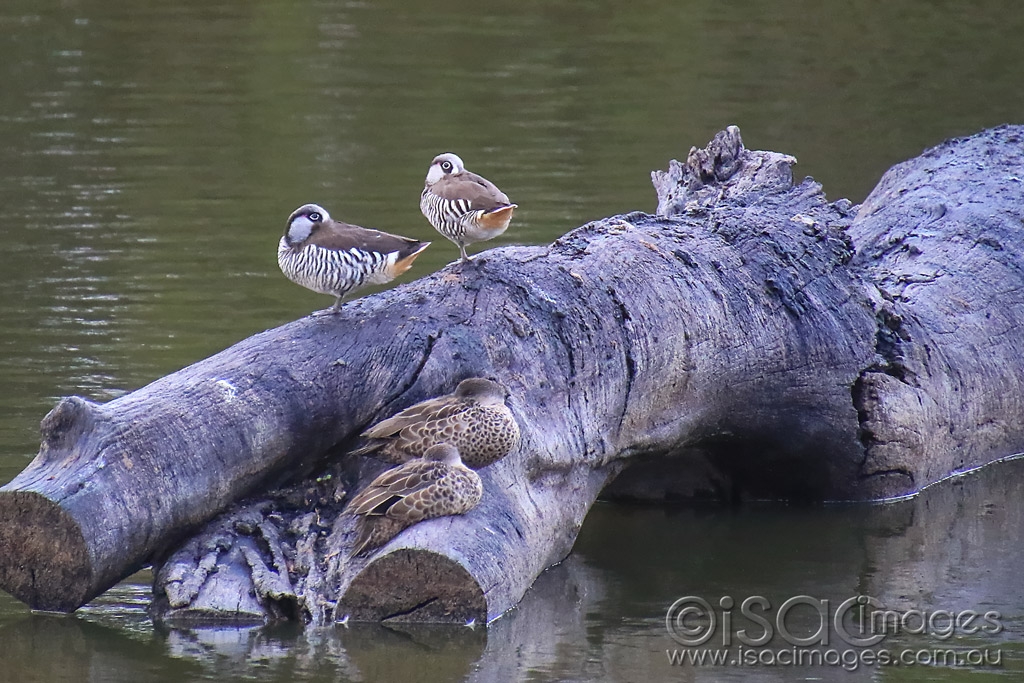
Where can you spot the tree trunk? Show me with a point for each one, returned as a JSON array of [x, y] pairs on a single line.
[[750, 340]]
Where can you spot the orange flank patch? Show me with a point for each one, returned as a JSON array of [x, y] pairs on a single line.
[[497, 219], [405, 263]]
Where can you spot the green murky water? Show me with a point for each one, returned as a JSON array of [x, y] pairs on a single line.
[[150, 152]]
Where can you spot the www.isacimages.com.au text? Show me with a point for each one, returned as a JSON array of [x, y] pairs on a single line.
[[849, 659]]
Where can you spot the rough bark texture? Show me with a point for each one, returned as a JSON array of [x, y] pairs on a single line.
[[751, 340], [945, 273]]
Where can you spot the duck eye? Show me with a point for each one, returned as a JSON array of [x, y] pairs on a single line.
[[315, 217], [446, 166]]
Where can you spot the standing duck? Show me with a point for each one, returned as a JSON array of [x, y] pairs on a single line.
[[461, 205], [331, 257]]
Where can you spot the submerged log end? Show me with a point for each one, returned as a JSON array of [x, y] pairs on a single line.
[[53, 571], [414, 585]]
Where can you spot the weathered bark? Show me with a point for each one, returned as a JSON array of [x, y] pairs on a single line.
[[947, 390], [733, 346]]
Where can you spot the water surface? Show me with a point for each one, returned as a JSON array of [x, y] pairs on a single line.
[[150, 152], [601, 614]]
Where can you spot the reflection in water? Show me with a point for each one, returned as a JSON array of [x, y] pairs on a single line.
[[600, 614]]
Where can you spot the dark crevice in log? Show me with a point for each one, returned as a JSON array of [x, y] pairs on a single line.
[[388, 408], [624, 320], [412, 612], [426, 587]]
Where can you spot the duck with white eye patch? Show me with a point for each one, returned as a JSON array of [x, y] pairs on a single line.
[[336, 258], [461, 205]]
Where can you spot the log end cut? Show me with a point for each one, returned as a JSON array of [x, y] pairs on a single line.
[[53, 571], [414, 585]]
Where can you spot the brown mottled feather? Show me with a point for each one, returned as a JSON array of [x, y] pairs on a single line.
[[474, 419], [435, 486], [376, 499], [375, 532], [431, 409]]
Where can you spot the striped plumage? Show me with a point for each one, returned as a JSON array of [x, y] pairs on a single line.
[[461, 205], [331, 257], [436, 485], [474, 419]]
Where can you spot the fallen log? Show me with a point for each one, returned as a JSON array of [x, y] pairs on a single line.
[[751, 340]]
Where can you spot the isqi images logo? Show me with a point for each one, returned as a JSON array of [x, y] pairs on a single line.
[[859, 621]]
